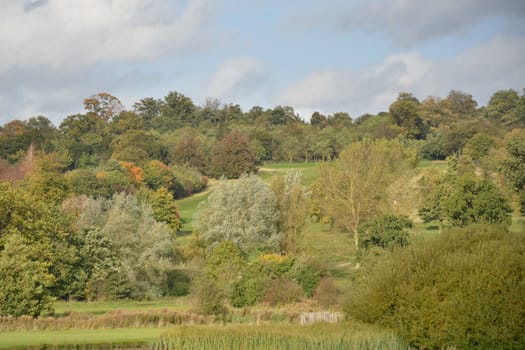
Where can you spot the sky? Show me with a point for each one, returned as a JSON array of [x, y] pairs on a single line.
[[327, 56]]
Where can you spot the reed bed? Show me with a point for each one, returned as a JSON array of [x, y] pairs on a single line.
[[274, 337], [113, 319]]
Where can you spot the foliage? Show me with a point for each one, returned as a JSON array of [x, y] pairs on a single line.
[[386, 231], [233, 156], [142, 244], [327, 294], [210, 298], [26, 280], [353, 188], [404, 111], [282, 291], [242, 211], [164, 208], [292, 205], [462, 289], [466, 199], [224, 264], [513, 166], [189, 180], [104, 105]]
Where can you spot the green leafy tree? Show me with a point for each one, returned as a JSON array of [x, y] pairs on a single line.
[[243, 211], [503, 107], [86, 138], [466, 199], [353, 188], [513, 166], [405, 113], [164, 208], [293, 206], [26, 280]]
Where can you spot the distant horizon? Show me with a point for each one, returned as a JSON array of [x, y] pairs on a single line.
[[334, 56]]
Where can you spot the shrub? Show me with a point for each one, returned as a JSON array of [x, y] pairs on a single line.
[[281, 291], [248, 291], [327, 294], [464, 288], [385, 231], [209, 298]]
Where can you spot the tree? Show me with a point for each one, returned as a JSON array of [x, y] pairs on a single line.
[[463, 200], [460, 103], [176, 111], [86, 138], [189, 150], [104, 105], [243, 211], [503, 107], [513, 166], [405, 113], [148, 109], [293, 206], [318, 120], [353, 188], [385, 231], [164, 208], [136, 146], [233, 156], [144, 246], [26, 280]]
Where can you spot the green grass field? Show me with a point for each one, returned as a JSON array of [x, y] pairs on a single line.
[[118, 336]]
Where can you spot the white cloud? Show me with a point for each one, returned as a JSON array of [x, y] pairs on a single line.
[[239, 77], [408, 22], [67, 34], [481, 70], [54, 53]]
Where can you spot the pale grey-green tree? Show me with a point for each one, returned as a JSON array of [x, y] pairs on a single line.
[[243, 211]]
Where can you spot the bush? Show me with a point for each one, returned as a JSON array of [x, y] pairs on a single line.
[[464, 288], [248, 291], [385, 231], [209, 298], [281, 291], [327, 294]]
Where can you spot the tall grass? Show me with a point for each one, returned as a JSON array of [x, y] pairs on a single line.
[[271, 337]]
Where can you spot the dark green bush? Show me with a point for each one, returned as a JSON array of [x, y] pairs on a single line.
[[248, 291], [386, 231], [464, 289]]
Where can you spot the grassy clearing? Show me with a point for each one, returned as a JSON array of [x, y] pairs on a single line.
[[318, 336], [119, 336], [309, 171], [187, 207], [438, 164]]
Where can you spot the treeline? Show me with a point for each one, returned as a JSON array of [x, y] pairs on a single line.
[[174, 130]]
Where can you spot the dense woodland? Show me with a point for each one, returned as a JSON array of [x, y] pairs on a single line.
[[88, 210]]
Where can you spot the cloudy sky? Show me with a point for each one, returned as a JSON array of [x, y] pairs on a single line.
[[329, 56]]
